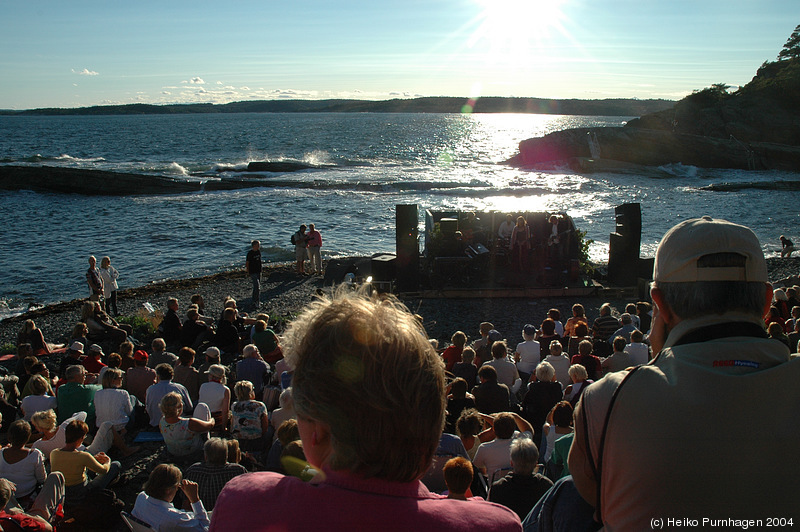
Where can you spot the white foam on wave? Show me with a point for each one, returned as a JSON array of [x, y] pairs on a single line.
[[176, 169], [317, 157], [227, 167], [10, 311], [70, 158], [679, 170]]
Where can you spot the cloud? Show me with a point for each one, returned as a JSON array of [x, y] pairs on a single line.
[[219, 83], [244, 88], [85, 72], [166, 92], [197, 81]]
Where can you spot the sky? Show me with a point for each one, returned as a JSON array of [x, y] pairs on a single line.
[[75, 53]]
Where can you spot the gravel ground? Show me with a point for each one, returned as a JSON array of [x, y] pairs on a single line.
[[285, 294]]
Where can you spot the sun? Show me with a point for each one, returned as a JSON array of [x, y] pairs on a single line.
[[513, 29]]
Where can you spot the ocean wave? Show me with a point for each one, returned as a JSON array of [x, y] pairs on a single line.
[[679, 170], [176, 169], [69, 158], [10, 309]]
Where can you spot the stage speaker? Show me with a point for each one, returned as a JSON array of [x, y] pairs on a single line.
[[407, 246], [383, 268], [624, 243], [448, 225]]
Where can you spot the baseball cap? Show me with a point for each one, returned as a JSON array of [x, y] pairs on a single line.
[[140, 355], [682, 246], [76, 346], [96, 348], [212, 352]]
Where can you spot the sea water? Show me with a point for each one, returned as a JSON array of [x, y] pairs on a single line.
[[364, 165]]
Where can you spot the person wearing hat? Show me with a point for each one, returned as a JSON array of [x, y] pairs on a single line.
[[140, 377], [93, 362], [669, 439], [73, 357], [212, 355]]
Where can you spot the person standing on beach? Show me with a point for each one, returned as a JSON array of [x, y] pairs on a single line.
[[109, 275], [314, 243], [788, 247], [253, 266], [300, 241], [94, 280]]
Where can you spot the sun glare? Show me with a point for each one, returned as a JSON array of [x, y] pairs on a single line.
[[516, 29]]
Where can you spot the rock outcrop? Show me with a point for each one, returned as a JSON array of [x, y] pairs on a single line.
[[757, 127]]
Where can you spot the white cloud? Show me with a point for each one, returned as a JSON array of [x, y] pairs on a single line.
[[85, 72], [244, 88], [197, 81], [166, 92], [219, 83]]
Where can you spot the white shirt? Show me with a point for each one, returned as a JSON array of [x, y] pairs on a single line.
[[561, 364], [506, 371], [496, 454], [213, 394], [37, 403], [639, 353], [114, 405], [162, 516], [529, 356], [505, 230]]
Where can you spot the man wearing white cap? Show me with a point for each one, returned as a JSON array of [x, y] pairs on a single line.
[[73, 357], [696, 433]]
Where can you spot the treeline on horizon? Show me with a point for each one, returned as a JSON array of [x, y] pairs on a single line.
[[608, 107]]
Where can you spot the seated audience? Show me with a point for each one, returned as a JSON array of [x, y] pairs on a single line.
[[578, 316], [580, 380], [560, 363], [194, 330], [546, 335], [73, 464], [73, 357], [160, 355], [458, 400], [466, 369], [625, 331], [555, 315], [157, 391], [115, 405], [638, 352], [521, 489], [43, 510], [75, 396], [493, 458], [183, 435], [586, 358], [253, 368], [139, 378], [39, 400], [559, 423], [542, 395], [154, 504], [171, 326], [54, 435], [286, 410], [267, 342], [30, 334], [93, 361], [458, 476], [227, 336], [470, 430], [187, 375], [619, 359], [217, 396], [250, 424], [506, 370], [20, 464], [527, 354], [452, 355], [490, 396], [354, 443], [213, 472], [581, 334]]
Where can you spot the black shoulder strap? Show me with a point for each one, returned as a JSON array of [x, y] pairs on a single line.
[[597, 469]]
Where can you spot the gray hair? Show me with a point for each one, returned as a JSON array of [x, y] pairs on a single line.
[[626, 318], [693, 300], [545, 372], [286, 400], [215, 451], [250, 351], [577, 371], [524, 456], [73, 372], [217, 371]]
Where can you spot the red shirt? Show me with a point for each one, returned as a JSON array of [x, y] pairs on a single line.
[[24, 521], [452, 356]]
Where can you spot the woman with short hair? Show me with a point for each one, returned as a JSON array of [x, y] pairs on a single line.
[[39, 399], [250, 423], [115, 405], [182, 435], [154, 504], [20, 464]]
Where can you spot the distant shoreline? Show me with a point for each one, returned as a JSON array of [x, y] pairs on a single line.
[[440, 104]]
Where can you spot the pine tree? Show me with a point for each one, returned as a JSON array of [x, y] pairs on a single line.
[[791, 50]]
